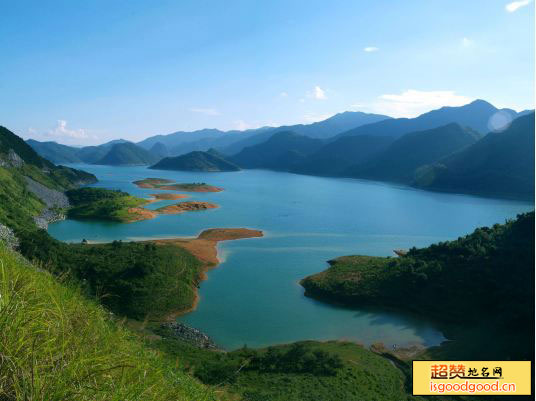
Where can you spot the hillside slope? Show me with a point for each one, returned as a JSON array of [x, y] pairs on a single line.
[[282, 151], [336, 157], [43, 322], [55, 152], [500, 164], [196, 161], [399, 161]]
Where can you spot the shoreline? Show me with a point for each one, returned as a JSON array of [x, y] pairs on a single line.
[[204, 248]]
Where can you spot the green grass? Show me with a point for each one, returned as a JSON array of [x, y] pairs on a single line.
[[363, 376], [103, 204], [57, 345], [17, 204]]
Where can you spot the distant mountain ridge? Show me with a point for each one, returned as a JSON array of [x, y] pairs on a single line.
[[475, 115], [117, 152], [230, 142]]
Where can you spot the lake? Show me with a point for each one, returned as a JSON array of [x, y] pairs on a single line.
[[253, 296]]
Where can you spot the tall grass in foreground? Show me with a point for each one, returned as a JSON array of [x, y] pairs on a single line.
[[57, 345]]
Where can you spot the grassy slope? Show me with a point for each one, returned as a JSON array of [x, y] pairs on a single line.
[[364, 375], [57, 345]]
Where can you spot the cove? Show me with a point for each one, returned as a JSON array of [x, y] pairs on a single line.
[[253, 296]]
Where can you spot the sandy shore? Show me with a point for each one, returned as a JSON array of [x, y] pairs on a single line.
[[160, 183], [204, 247]]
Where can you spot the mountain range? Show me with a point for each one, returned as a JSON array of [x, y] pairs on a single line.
[[429, 151]]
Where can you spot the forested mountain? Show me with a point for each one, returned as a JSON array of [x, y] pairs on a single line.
[[399, 160], [335, 157], [500, 164], [282, 151], [122, 154], [196, 161]]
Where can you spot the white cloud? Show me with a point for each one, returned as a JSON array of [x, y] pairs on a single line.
[[466, 42], [283, 94], [302, 100], [61, 130], [208, 112], [515, 5], [370, 49], [412, 103], [319, 93], [241, 125]]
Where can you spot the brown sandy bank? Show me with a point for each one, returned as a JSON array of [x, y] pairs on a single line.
[[204, 247], [192, 206]]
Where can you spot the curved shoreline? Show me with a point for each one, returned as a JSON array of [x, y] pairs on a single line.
[[204, 248]]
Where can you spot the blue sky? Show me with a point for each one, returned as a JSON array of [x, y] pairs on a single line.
[[87, 72]]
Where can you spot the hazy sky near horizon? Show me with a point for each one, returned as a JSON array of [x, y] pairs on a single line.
[[87, 72]]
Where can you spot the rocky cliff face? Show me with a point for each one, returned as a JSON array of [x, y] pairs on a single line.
[[55, 202]]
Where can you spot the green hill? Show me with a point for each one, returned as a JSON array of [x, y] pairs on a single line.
[[282, 151], [400, 160], [196, 161], [55, 152], [336, 157], [126, 154], [500, 164], [481, 281]]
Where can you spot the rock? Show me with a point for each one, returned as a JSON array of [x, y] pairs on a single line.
[[7, 236], [50, 197], [14, 159], [190, 335]]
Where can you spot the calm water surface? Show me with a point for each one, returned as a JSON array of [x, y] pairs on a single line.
[[253, 297]]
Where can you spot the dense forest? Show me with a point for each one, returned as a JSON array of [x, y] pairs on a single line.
[[131, 278]]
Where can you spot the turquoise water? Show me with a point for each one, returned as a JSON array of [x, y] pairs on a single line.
[[253, 296]]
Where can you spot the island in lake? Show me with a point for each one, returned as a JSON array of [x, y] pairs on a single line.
[[161, 183], [115, 205]]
